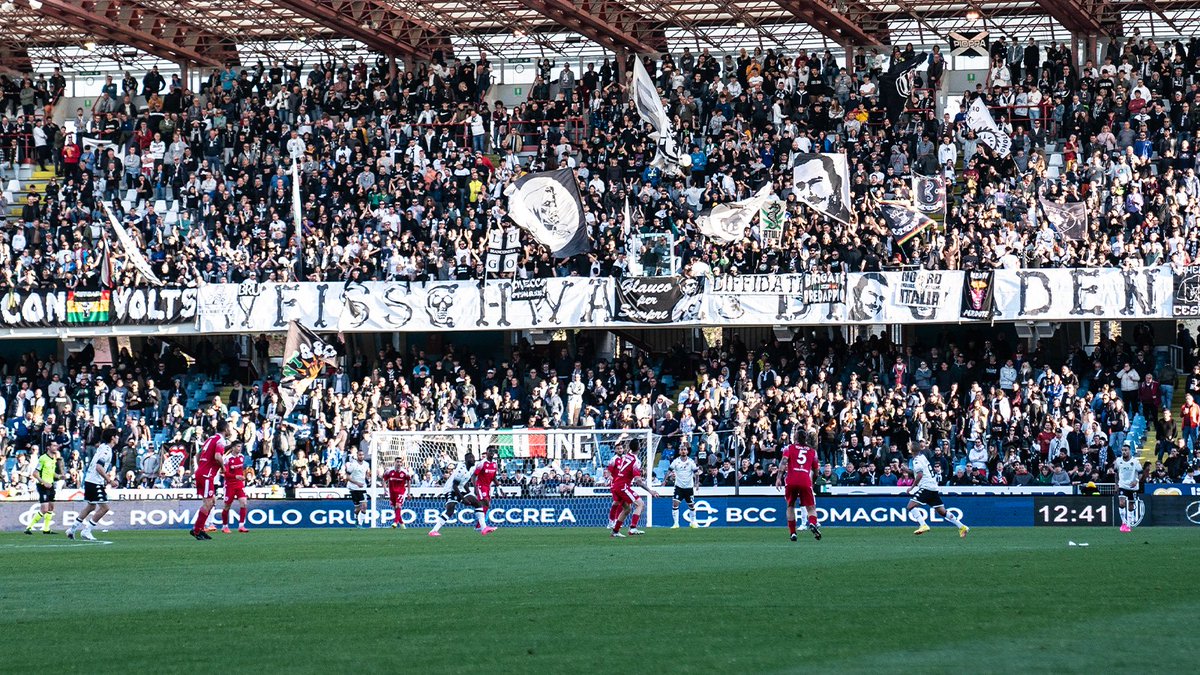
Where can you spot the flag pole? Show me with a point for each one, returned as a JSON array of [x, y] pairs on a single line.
[[299, 223]]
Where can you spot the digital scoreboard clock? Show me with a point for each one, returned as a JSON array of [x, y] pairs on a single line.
[[1073, 511]]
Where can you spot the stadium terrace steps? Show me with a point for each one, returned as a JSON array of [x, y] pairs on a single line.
[[30, 182]]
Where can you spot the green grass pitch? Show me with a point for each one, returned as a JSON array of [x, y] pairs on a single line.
[[572, 600]]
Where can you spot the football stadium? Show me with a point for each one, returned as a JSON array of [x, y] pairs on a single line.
[[555, 336]]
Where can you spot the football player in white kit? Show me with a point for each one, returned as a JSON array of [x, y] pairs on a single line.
[[686, 470], [924, 492], [1129, 470]]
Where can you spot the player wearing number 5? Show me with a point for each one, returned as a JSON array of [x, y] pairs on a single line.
[[924, 492], [796, 472]]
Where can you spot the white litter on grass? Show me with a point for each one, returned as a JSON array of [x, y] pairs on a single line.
[[1082, 543]]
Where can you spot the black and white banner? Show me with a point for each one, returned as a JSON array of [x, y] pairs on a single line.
[[822, 181], [548, 206], [650, 109], [658, 299], [305, 358], [980, 120], [727, 223], [904, 222], [133, 250], [978, 295], [929, 193], [915, 296], [973, 43], [1084, 294], [1187, 292], [896, 85], [504, 247], [1068, 219], [82, 309]]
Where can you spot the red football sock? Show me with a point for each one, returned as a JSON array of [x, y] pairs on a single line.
[[398, 515], [634, 521], [614, 512], [225, 516], [201, 520], [812, 520], [242, 516], [792, 526]]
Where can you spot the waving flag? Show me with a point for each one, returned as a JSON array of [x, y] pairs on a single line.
[[548, 205]]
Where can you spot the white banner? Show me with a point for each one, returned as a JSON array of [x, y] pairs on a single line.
[[1084, 294], [908, 297]]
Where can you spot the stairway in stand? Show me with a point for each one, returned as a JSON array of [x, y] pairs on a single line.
[[29, 181]]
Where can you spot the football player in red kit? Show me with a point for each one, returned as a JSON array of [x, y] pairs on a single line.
[[799, 465], [625, 471], [397, 479], [235, 487], [485, 479], [208, 463]]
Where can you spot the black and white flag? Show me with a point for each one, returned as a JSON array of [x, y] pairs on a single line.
[[1187, 292], [133, 250], [969, 43], [980, 120], [548, 206], [903, 221], [727, 223], [650, 108], [305, 358], [896, 85], [1069, 220], [504, 247], [823, 183], [929, 193]]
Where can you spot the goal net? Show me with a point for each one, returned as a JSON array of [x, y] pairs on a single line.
[[548, 477]]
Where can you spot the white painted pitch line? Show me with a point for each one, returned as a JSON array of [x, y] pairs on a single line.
[[85, 542]]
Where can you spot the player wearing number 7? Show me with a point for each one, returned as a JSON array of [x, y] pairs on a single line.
[[799, 464]]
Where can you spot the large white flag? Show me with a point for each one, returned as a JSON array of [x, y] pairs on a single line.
[[547, 204], [822, 181], [727, 223], [980, 120], [650, 109], [133, 252]]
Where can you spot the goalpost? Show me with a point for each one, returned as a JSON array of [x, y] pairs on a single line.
[[547, 478]]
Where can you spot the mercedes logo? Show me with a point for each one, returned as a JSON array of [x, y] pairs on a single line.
[[1193, 512]]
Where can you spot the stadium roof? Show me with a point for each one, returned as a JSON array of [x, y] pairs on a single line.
[[82, 34]]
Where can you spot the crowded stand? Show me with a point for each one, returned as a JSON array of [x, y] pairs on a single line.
[[403, 173]]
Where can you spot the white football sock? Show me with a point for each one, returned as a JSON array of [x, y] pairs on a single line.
[[953, 521], [440, 522], [918, 514], [675, 515]]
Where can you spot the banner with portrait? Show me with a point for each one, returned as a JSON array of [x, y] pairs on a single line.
[[822, 181], [978, 295], [547, 205]]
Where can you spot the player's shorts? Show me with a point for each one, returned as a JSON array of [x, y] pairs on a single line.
[[802, 493], [927, 497], [94, 493], [358, 496], [685, 494], [484, 495], [624, 496], [206, 486], [1128, 494], [234, 491], [398, 498], [45, 494]]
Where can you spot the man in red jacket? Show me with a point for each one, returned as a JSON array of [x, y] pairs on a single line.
[[1189, 417]]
